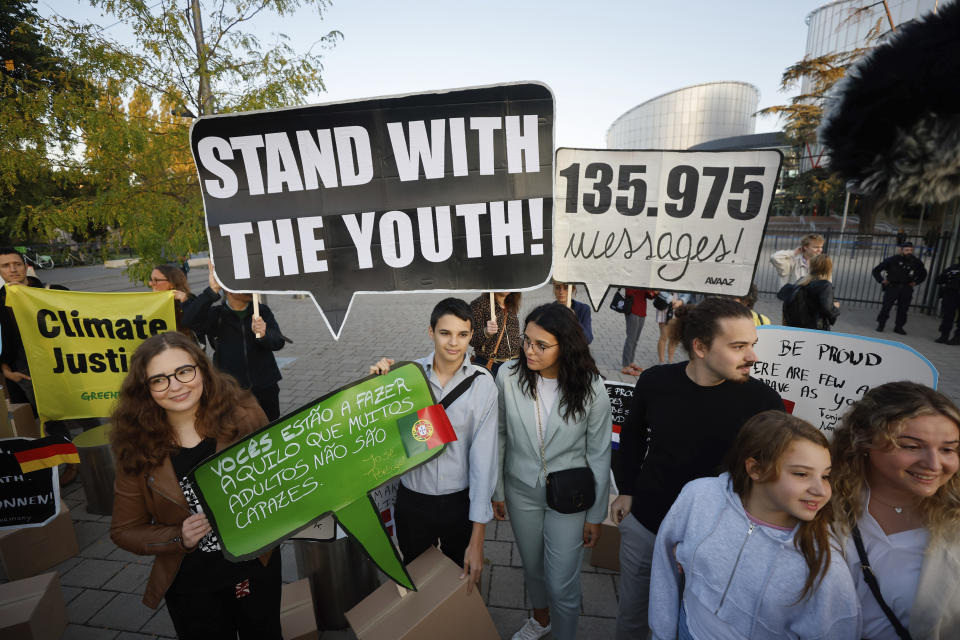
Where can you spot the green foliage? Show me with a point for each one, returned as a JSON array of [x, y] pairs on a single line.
[[106, 118], [803, 114]]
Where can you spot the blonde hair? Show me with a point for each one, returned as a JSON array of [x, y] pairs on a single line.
[[821, 268], [881, 414], [810, 238]]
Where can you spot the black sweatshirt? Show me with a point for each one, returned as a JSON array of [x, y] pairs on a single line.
[[691, 428]]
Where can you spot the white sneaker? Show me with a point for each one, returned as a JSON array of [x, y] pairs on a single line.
[[531, 631]]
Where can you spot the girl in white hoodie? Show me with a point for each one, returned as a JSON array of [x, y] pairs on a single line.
[[747, 554]]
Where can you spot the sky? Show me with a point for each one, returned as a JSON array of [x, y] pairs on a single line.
[[600, 58]]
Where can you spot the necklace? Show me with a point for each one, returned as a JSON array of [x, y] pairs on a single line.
[[899, 510]]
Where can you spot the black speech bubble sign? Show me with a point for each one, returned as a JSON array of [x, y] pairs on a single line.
[[334, 200]]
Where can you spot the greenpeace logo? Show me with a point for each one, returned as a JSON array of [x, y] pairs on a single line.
[[99, 395], [727, 282]]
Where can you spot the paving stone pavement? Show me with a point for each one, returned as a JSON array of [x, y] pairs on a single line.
[[103, 585]]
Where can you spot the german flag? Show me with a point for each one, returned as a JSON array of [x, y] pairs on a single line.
[[45, 453], [427, 428]]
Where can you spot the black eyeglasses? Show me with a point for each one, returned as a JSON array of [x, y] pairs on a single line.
[[183, 374], [541, 347]]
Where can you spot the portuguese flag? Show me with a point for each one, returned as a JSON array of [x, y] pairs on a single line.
[[45, 453], [427, 428]]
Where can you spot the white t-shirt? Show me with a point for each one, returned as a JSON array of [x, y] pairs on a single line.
[[896, 561], [547, 390]]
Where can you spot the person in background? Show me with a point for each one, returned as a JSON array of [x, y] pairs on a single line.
[[898, 275], [667, 303], [243, 343], [897, 490], [816, 296], [582, 310], [554, 416], [495, 341], [13, 359], [949, 281], [635, 319], [793, 264], [165, 277], [174, 410], [683, 420], [751, 299], [747, 554]]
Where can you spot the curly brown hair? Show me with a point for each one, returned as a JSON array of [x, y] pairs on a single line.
[[765, 438], [881, 415], [141, 436]]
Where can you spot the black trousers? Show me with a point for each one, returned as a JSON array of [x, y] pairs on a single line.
[[951, 302], [423, 520], [269, 400], [901, 294], [221, 615]]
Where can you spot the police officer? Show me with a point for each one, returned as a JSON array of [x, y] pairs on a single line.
[[949, 281], [899, 275]]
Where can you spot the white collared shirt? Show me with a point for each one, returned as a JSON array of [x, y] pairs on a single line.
[[471, 460]]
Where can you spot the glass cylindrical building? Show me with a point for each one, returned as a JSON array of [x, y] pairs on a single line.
[[686, 117]]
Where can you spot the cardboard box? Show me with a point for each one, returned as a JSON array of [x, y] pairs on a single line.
[[31, 550], [438, 610], [297, 619], [606, 554], [20, 422], [32, 609]]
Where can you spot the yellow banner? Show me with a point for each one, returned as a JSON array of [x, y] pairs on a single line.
[[78, 344]]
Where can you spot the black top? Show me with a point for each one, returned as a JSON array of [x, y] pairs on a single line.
[[237, 350], [688, 430], [901, 270], [949, 279], [204, 569], [819, 295]]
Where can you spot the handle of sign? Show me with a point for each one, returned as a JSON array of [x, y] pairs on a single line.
[[569, 296], [256, 309], [493, 313]]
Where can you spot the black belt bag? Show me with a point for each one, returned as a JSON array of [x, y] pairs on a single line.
[[571, 490]]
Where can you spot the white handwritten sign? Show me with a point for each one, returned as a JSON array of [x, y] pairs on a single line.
[[822, 372], [674, 220]]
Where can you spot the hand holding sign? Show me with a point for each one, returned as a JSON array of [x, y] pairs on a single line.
[[326, 457], [681, 221]]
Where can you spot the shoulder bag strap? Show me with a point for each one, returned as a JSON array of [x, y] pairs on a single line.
[[493, 354], [871, 581], [459, 390]]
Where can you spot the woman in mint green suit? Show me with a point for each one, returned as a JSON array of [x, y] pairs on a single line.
[[554, 415]]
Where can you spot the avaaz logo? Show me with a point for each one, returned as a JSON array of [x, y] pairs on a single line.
[[727, 282]]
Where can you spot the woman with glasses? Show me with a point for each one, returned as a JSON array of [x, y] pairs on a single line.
[[175, 409], [554, 426], [165, 277]]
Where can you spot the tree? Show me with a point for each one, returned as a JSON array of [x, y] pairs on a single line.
[[128, 136], [803, 115]]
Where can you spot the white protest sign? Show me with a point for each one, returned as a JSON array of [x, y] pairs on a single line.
[[673, 220], [822, 372]]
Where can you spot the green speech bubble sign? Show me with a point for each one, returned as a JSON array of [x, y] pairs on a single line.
[[325, 457]]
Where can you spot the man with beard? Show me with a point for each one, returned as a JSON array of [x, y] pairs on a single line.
[[684, 418], [898, 275]]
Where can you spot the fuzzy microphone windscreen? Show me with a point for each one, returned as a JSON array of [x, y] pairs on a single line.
[[893, 123]]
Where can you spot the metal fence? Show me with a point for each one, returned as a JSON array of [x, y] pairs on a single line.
[[854, 257]]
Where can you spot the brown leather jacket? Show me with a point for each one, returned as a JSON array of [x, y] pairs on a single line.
[[149, 509]]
